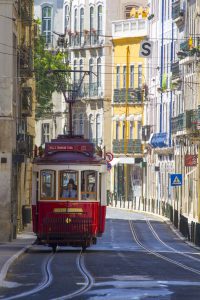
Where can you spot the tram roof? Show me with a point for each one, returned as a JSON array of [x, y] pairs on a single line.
[[72, 150]]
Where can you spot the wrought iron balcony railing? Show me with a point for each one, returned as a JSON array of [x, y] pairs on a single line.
[[26, 101], [135, 96], [25, 144], [25, 60], [177, 13], [132, 146], [85, 39], [25, 9]]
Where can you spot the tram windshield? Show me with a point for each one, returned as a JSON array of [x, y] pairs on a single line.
[[89, 185], [69, 184], [47, 184]]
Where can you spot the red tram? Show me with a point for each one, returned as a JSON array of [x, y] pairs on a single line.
[[69, 193]]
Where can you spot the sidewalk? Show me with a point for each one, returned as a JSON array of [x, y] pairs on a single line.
[[9, 251]]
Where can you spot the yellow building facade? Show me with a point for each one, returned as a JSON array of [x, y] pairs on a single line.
[[127, 107]]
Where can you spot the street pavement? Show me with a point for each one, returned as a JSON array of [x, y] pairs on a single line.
[[10, 251]]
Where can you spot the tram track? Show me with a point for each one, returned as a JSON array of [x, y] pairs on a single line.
[[47, 279], [155, 253], [167, 246], [89, 280]]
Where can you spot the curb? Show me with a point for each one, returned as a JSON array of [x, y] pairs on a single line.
[[7, 264]]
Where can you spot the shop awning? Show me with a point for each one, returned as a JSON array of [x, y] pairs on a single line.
[[123, 160], [159, 140]]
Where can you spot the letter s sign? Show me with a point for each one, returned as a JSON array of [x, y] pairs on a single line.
[[146, 49]]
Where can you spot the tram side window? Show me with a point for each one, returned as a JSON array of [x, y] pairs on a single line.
[[47, 184], [88, 185], [68, 185]]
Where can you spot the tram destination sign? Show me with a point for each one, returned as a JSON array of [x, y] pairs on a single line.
[[68, 147]]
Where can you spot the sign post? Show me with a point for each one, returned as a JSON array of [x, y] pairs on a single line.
[[146, 49]]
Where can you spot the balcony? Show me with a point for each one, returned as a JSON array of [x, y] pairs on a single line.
[[133, 146], [178, 123], [129, 28], [86, 39], [25, 8], [195, 120], [26, 101], [187, 121], [177, 13], [25, 60], [25, 145], [135, 96]]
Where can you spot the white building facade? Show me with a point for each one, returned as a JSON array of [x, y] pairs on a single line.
[[51, 15]]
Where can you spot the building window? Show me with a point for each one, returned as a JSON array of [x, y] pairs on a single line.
[[99, 20], [74, 124], [132, 77], [45, 133], [128, 9], [140, 76], [90, 129], [117, 77], [66, 18], [99, 75], [117, 130], [98, 130], [80, 76], [47, 23], [91, 18], [123, 130], [139, 130], [131, 131], [124, 77], [91, 86], [75, 20], [81, 123], [81, 20]]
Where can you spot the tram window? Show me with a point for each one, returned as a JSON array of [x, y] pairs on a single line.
[[68, 184], [88, 185], [47, 184]]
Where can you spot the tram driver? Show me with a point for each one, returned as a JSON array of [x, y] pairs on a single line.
[[70, 192]]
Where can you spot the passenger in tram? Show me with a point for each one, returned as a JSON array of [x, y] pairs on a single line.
[[70, 192]]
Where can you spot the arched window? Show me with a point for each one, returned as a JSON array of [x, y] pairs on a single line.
[[99, 20], [47, 23], [98, 130], [91, 18], [123, 130], [90, 129], [75, 20], [91, 84], [81, 20], [66, 18], [99, 71], [131, 130], [81, 125]]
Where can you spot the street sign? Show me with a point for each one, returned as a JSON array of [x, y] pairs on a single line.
[[190, 160], [176, 179], [146, 49], [109, 156]]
